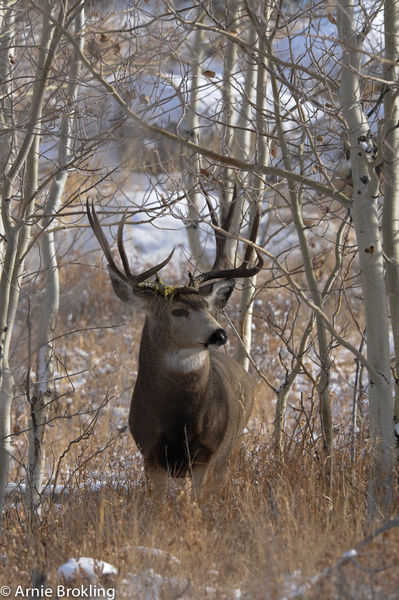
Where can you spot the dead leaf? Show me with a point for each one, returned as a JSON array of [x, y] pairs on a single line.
[[331, 18]]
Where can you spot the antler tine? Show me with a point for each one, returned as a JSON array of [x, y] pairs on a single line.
[[237, 273], [153, 270], [220, 237], [102, 240], [121, 247], [243, 270], [252, 238], [229, 217]]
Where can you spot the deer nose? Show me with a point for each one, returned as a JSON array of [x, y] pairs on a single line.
[[217, 338]]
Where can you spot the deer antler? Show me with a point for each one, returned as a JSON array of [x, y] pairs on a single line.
[[102, 240], [243, 270]]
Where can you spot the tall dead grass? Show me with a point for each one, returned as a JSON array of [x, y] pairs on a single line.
[[277, 523], [274, 526]]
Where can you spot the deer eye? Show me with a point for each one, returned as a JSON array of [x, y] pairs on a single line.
[[180, 312]]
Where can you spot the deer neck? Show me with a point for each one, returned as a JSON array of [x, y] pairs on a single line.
[[186, 360], [170, 360]]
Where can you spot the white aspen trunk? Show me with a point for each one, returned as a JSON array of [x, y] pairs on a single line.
[[44, 388], [7, 383], [243, 136], [229, 113], [6, 391], [193, 195], [390, 220], [18, 237], [246, 305], [256, 191], [7, 241], [243, 146], [366, 223], [7, 32]]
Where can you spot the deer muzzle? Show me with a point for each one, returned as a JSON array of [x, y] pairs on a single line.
[[217, 338]]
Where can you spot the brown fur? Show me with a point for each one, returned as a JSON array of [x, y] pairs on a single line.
[[187, 423], [190, 403]]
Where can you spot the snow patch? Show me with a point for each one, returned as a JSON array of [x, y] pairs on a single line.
[[85, 567], [67, 489], [348, 555]]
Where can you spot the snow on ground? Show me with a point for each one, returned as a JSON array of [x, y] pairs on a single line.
[[95, 485], [90, 569], [148, 583]]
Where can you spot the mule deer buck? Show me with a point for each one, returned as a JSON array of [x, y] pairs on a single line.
[[190, 403]]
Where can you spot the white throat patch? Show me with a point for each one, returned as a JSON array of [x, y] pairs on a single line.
[[185, 360]]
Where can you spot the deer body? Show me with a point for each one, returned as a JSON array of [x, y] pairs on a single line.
[[190, 403], [188, 408]]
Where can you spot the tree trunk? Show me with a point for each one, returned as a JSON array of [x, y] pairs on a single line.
[[390, 221], [365, 219], [243, 138], [7, 32], [44, 389], [256, 188], [229, 114], [194, 160], [18, 236]]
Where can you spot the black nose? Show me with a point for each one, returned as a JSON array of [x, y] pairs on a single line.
[[217, 338]]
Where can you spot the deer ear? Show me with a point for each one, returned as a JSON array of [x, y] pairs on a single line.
[[129, 293], [122, 288], [217, 293]]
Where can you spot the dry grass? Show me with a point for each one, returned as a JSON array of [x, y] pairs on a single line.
[[271, 528], [275, 525]]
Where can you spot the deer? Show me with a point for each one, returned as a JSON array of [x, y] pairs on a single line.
[[190, 402]]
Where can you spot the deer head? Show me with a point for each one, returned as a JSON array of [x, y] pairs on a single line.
[[184, 308]]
